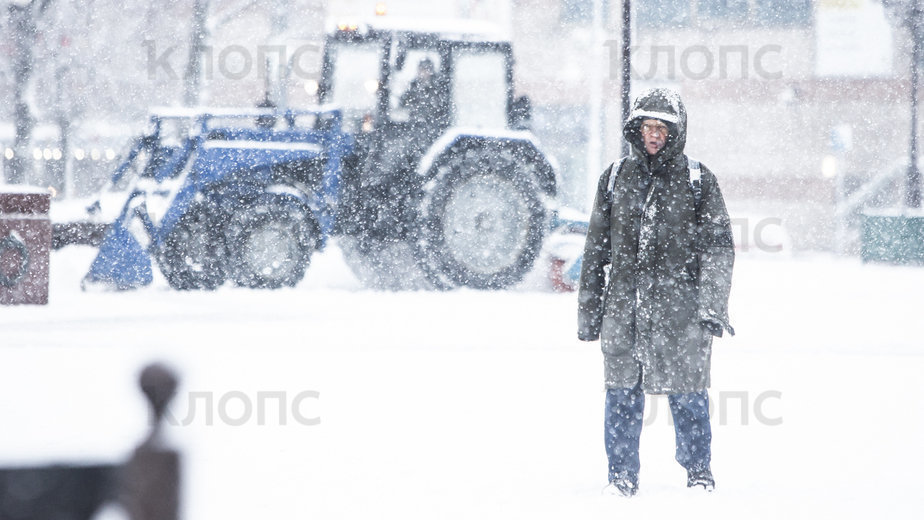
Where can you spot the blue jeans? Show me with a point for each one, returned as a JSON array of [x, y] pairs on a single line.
[[625, 410]]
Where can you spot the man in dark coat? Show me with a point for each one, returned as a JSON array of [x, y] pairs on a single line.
[[425, 98], [426, 102], [666, 236]]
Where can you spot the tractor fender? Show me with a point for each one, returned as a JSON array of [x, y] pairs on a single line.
[[286, 195], [283, 193], [524, 144]]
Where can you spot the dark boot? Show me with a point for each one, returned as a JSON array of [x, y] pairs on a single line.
[[623, 485], [702, 477]]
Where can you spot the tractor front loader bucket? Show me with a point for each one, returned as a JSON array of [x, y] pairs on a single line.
[[122, 262]]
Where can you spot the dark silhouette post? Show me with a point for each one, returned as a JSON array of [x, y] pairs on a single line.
[[151, 483]]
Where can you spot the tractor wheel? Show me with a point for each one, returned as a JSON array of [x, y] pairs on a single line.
[[384, 265], [270, 245], [193, 256], [484, 220]]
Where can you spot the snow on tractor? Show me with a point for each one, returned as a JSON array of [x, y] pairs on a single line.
[[419, 160]]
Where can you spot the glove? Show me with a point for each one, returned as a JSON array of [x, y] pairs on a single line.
[[714, 327]]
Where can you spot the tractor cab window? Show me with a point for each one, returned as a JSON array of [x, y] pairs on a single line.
[[354, 83], [418, 87], [479, 88]]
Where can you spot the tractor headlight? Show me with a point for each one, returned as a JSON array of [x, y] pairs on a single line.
[[311, 87], [371, 85]]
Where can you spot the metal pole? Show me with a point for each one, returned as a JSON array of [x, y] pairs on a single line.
[[626, 67], [277, 77], [595, 106], [913, 191], [192, 77]]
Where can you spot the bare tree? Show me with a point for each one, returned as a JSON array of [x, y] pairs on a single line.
[[22, 16]]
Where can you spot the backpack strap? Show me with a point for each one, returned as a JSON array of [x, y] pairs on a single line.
[[696, 183], [611, 183]]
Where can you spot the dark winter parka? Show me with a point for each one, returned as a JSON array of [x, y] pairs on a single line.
[[666, 292]]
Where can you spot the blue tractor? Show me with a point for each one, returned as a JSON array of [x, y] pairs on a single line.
[[420, 161], [212, 197]]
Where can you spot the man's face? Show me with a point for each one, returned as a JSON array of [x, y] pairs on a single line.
[[425, 72], [654, 135]]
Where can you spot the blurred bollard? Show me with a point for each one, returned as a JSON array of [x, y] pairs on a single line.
[[151, 485], [151, 479], [25, 239]]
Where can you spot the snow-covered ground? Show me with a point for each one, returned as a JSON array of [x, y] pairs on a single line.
[[466, 404]]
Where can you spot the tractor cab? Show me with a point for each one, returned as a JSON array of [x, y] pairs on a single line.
[[427, 108], [395, 81]]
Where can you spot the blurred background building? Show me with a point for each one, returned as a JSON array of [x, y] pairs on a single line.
[[794, 104]]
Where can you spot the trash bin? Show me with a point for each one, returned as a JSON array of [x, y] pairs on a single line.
[[25, 239], [895, 237]]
